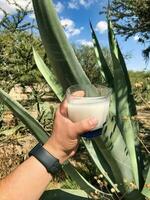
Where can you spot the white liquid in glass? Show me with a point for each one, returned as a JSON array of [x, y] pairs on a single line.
[[83, 108]]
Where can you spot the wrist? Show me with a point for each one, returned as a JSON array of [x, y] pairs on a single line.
[[54, 149]]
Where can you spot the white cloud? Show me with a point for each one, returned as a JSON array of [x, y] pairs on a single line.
[[5, 6], [75, 4], [101, 26], [59, 7], [136, 37], [10, 8], [86, 3], [85, 43], [70, 28]]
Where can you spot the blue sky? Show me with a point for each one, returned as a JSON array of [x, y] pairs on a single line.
[[75, 15], [80, 11]]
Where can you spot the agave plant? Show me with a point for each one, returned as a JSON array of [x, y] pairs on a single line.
[[116, 153]]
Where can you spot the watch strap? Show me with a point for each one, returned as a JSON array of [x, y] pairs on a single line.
[[49, 161]]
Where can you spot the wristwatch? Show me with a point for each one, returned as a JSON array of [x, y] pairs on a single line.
[[43, 156]]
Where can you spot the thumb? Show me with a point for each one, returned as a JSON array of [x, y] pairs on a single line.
[[85, 125]]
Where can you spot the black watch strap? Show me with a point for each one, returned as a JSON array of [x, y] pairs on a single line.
[[49, 161]]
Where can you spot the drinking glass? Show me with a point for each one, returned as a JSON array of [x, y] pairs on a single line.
[[86, 102]]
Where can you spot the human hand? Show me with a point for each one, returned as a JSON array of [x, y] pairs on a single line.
[[66, 134]]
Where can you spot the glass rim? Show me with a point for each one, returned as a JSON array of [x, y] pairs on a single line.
[[109, 92]]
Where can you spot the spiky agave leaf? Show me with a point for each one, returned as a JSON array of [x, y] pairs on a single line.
[[106, 72], [132, 107], [99, 161], [81, 181], [126, 171], [60, 53], [113, 148], [122, 106], [66, 194], [131, 101], [48, 75], [146, 189]]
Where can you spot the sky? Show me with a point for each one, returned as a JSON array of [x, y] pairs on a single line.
[[75, 16]]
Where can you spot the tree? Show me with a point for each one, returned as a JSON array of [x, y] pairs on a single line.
[[88, 61], [18, 19], [16, 59], [17, 37], [131, 18]]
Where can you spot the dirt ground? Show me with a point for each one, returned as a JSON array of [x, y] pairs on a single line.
[[13, 151]]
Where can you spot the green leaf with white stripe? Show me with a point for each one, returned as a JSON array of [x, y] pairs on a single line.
[[97, 158], [81, 181], [113, 148], [122, 105], [105, 70]]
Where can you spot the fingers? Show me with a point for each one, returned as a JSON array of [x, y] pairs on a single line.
[[79, 93], [85, 125], [63, 108]]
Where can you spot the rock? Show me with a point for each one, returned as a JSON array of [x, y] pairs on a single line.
[[17, 93]]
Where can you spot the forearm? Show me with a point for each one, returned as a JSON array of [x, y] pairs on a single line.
[[30, 179], [27, 182]]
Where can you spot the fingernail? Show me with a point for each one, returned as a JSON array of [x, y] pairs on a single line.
[[93, 121]]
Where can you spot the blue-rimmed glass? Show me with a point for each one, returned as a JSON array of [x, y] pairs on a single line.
[[83, 104]]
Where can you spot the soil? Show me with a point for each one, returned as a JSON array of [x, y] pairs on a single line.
[[13, 151]]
